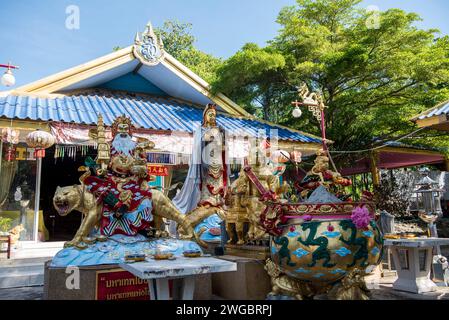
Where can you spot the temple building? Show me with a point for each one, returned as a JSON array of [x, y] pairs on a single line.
[[436, 118], [165, 101]]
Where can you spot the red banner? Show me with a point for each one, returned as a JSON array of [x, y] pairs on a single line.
[[157, 170]]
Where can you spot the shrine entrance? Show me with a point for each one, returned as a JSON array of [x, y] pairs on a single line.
[[61, 171]]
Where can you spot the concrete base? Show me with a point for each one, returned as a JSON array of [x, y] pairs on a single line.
[[30, 250], [55, 284], [248, 251], [415, 286], [249, 282]]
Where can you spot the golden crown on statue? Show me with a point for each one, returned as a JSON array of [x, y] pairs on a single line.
[[121, 124]]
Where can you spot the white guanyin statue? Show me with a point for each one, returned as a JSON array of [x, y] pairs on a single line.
[[208, 177]]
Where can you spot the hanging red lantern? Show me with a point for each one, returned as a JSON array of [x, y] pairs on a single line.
[[40, 140], [10, 152], [39, 153], [10, 137]]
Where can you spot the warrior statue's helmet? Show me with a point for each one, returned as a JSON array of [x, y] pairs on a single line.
[[122, 125]]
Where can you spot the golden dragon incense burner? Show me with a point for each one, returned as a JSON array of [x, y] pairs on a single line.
[[325, 242]]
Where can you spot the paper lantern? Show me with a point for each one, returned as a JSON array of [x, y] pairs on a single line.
[[40, 140], [8, 78], [297, 112], [10, 135]]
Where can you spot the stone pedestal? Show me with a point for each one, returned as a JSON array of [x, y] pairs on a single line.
[[413, 259], [55, 283], [182, 272], [249, 282]]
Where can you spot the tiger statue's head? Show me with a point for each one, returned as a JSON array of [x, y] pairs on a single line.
[[66, 199]]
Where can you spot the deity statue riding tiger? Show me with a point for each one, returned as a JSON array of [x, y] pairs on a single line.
[[115, 196]]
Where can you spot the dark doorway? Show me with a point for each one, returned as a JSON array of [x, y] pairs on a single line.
[[59, 172]]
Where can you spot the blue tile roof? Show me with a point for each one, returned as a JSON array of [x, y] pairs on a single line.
[[438, 110], [145, 112]]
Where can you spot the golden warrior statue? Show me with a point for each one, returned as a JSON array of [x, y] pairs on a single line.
[[123, 188], [115, 196]]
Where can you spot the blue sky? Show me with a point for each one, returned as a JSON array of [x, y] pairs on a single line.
[[33, 33]]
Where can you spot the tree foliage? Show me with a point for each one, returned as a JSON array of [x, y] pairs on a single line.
[[252, 75], [373, 77], [179, 42]]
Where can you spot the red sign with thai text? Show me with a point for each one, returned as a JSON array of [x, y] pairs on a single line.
[[122, 285], [156, 170]]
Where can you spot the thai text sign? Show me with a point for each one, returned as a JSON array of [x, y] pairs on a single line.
[[157, 170], [120, 285]]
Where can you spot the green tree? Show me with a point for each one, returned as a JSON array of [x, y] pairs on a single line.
[[253, 77], [373, 76], [176, 36], [179, 42]]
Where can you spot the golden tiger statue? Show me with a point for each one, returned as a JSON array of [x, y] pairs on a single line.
[[78, 198]]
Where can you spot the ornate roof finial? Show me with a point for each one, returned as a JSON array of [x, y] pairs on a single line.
[[149, 27], [147, 47], [137, 38], [161, 44]]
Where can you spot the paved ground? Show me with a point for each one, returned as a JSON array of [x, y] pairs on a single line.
[[25, 293], [382, 291], [386, 293]]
